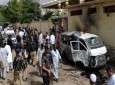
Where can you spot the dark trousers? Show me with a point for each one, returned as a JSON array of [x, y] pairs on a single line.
[[46, 80]]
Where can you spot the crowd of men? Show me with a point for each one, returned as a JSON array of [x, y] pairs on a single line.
[[31, 48], [36, 49]]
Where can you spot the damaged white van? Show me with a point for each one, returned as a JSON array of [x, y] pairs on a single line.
[[85, 48]]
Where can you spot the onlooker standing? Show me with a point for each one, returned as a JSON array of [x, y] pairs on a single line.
[[41, 38], [3, 59], [47, 40], [39, 57], [18, 45], [9, 57], [47, 37], [56, 58], [52, 39], [21, 32], [111, 76], [33, 51]]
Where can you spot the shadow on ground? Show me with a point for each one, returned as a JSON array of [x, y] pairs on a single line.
[[10, 82], [36, 83], [34, 73]]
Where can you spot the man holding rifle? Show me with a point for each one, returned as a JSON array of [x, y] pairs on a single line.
[[46, 66]]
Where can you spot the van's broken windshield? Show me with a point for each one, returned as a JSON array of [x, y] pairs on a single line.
[[94, 42]]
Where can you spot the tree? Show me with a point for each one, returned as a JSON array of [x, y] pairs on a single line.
[[22, 11], [47, 15]]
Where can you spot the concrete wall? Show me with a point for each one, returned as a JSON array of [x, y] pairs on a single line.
[[105, 27], [73, 22], [43, 26]]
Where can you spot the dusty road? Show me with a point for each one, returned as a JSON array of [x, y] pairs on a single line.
[[68, 76]]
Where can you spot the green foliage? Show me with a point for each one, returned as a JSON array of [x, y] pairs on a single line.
[[47, 15], [22, 11]]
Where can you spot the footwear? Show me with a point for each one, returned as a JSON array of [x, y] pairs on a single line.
[[3, 78], [57, 80], [25, 79]]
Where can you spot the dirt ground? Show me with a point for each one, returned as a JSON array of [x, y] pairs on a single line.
[[68, 76]]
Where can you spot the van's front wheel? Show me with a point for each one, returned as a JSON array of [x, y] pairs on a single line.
[[92, 62], [80, 65]]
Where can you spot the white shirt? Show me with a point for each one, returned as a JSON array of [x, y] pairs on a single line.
[[39, 55], [21, 34], [41, 39], [111, 81], [55, 55], [9, 56], [52, 39], [3, 56], [47, 37]]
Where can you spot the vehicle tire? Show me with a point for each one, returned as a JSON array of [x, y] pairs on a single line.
[[92, 62], [80, 65]]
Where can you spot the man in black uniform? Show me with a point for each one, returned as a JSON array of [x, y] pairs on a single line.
[[46, 66]]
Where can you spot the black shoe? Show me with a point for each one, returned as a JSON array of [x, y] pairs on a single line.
[[57, 80], [25, 79], [34, 65], [3, 78]]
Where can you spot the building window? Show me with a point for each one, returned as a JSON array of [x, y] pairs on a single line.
[[76, 12], [109, 9]]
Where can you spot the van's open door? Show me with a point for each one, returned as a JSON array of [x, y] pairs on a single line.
[[77, 53], [75, 49]]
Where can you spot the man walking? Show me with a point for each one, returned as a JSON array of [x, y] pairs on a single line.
[[3, 58], [56, 58], [46, 66], [9, 57], [52, 39], [39, 57]]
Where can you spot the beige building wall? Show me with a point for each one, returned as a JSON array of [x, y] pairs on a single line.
[[105, 28], [74, 22], [43, 26]]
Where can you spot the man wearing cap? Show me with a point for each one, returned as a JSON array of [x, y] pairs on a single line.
[[93, 79]]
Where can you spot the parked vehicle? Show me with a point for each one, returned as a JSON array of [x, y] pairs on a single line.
[[85, 48]]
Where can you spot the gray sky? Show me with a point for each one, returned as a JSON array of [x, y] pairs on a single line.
[[3, 2]]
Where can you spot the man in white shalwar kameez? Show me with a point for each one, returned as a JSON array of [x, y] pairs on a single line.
[[3, 59], [41, 39], [9, 57], [39, 57], [56, 58], [52, 39]]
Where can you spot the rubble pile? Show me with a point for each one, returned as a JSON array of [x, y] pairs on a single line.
[[73, 76]]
